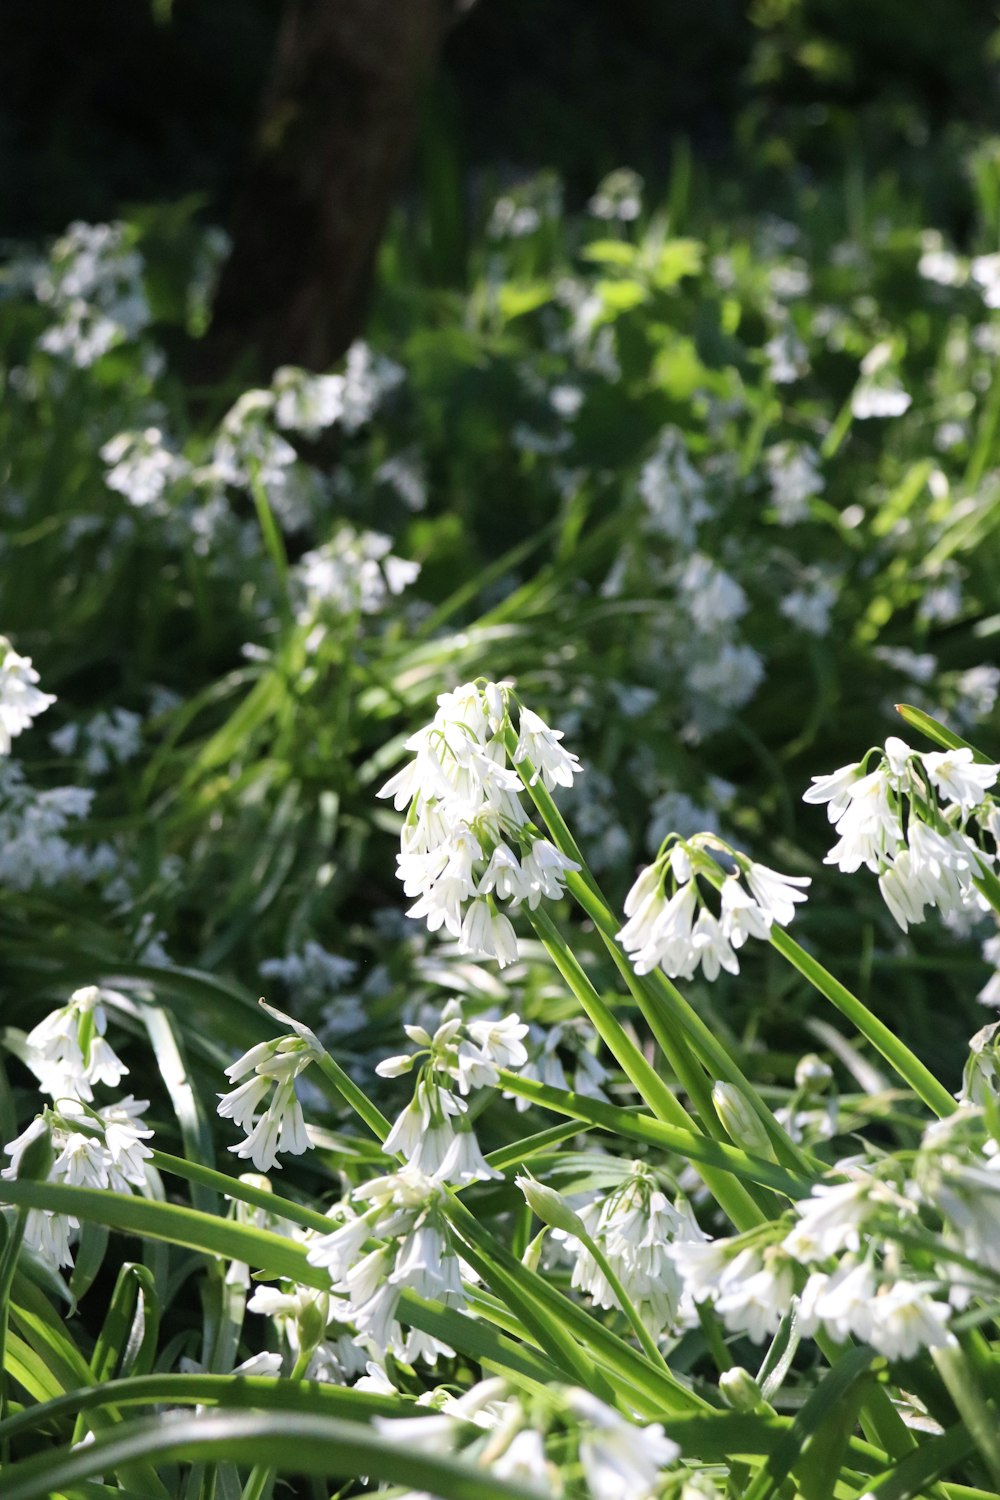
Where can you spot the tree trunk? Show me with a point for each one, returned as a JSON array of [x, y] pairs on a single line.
[[339, 121]]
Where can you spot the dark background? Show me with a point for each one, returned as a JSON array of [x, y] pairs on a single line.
[[119, 102]]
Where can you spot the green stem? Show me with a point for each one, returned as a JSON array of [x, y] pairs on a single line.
[[625, 1302], [731, 1196], [641, 1127], [346, 1088], [656, 995], [909, 1067]]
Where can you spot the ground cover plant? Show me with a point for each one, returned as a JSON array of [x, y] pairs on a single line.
[[632, 1143]]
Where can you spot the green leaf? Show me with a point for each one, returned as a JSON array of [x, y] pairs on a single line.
[[677, 259], [938, 733], [915, 1474], [909, 1067], [610, 253], [641, 1127], [273, 1254], [825, 1405], [291, 1443], [515, 298]]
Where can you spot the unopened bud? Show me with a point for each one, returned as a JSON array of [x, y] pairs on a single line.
[[533, 1253], [313, 1318], [36, 1158], [811, 1072], [739, 1390], [550, 1206], [739, 1121]]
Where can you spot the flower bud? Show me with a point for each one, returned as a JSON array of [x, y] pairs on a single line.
[[739, 1121], [739, 1390], [533, 1253], [812, 1073], [313, 1318], [550, 1206], [36, 1158]]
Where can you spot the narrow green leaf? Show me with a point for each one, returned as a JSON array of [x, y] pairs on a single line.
[[938, 733], [291, 1443], [640, 1127], [909, 1067]]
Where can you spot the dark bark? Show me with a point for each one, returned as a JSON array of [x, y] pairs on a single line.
[[339, 121]]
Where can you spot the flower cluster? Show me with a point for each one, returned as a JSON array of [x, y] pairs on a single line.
[[467, 841], [93, 285], [89, 1147], [679, 932], [354, 573], [68, 1051], [635, 1225], [402, 1213], [270, 1068], [907, 821], [102, 1148], [841, 1263], [469, 1054]]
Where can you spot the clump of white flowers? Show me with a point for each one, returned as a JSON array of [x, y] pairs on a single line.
[[68, 1051], [907, 819], [469, 1054], [393, 1237], [94, 286], [268, 1071], [879, 392], [353, 573], [670, 924], [468, 843], [844, 1261], [95, 1147], [635, 1225], [20, 700]]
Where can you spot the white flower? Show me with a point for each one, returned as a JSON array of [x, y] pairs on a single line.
[[423, 1132], [503, 875], [830, 1220], [543, 872], [907, 1318], [637, 1226], [338, 1250], [501, 1040], [488, 934], [141, 466], [67, 1051], [776, 894], [841, 1303], [959, 778], [281, 1127], [540, 744], [741, 916], [836, 790], [712, 946], [465, 1162], [620, 1460], [524, 1461], [20, 700], [755, 1303]]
